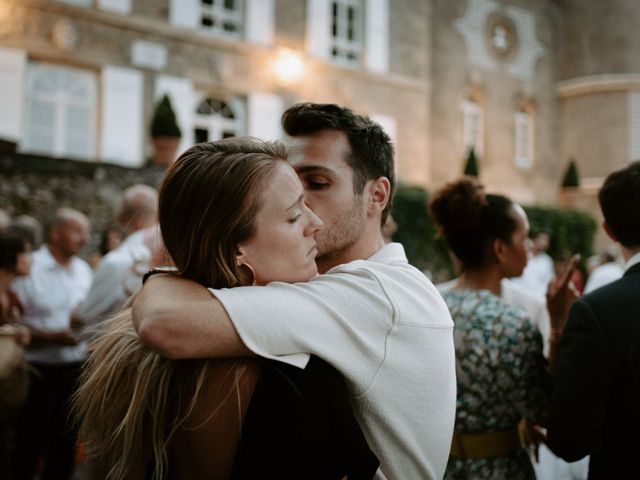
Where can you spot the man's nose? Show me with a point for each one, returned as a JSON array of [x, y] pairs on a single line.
[[315, 223]]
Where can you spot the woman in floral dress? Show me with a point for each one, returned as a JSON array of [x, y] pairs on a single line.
[[501, 372]]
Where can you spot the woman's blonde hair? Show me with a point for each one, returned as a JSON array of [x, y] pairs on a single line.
[[131, 400]]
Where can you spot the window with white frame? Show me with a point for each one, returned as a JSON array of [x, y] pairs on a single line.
[[79, 3], [473, 127], [523, 140], [60, 111], [346, 39], [222, 17], [215, 119], [114, 6]]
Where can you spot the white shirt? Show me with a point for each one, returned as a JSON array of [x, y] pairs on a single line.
[[49, 295], [518, 296], [118, 276], [632, 261], [537, 274], [385, 327], [602, 275]]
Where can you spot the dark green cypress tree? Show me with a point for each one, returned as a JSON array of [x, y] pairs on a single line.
[[471, 167], [571, 176], [164, 123]]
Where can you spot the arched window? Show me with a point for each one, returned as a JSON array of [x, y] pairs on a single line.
[[60, 111], [216, 119]]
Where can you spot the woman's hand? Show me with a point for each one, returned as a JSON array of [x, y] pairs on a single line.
[[531, 436], [560, 296]]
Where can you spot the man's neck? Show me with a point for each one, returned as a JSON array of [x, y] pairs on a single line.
[[59, 257], [481, 279], [627, 253], [361, 250]]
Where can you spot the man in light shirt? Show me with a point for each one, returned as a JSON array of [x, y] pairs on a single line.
[[58, 282], [119, 273], [540, 269], [374, 317]]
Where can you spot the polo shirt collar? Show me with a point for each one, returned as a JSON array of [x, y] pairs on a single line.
[[48, 261], [632, 261], [390, 253]]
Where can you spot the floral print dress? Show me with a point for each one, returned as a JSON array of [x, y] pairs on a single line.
[[502, 378]]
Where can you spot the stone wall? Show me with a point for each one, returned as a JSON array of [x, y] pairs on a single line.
[[465, 68], [36, 186]]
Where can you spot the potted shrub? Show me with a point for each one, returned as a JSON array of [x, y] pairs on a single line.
[[165, 133], [570, 187]]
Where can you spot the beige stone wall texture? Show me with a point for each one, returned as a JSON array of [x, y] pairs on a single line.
[[455, 77], [594, 132], [599, 38]]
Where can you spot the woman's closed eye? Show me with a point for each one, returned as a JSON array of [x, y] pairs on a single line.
[[295, 218]]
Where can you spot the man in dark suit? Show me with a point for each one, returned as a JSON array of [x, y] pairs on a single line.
[[596, 402]]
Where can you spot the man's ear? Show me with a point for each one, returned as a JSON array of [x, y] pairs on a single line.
[[607, 229], [379, 192]]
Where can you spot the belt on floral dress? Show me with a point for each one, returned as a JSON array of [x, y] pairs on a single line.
[[486, 444]]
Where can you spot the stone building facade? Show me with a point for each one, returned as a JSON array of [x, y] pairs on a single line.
[[528, 85]]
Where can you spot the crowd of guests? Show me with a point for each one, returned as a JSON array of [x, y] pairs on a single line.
[[317, 350]]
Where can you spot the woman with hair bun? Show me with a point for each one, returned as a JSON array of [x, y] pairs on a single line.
[[502, 374]]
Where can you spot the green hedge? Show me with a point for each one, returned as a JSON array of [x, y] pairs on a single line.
[[417, 232], [571, 232]]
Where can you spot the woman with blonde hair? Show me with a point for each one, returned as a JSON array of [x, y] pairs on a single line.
[[231, 213]]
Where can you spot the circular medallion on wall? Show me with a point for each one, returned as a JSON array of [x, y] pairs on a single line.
[[501, 36]]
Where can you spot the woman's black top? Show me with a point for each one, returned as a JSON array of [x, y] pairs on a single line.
[[299, 425]]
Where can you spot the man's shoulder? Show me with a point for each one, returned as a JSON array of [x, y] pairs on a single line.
[[622, 292], [80, 263], [383, 272]]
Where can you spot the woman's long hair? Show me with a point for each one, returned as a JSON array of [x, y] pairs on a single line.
[[131, 400]]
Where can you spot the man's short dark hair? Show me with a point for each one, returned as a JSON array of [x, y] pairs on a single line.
[[371, 149], [620, 203]]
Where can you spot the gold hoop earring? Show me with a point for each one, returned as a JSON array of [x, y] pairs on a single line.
[[250, 276]]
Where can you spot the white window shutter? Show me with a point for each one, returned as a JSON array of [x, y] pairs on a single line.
[[264, 111], [259, 21], [116, 6], [180, 92], [123, 130], [318, 27], [387, 123], [376, 37], [184, 13], [12, 79], [523, 140]]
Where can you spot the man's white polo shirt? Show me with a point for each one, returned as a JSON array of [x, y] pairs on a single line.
[[118, 276], [384, 326], [49, 295]]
